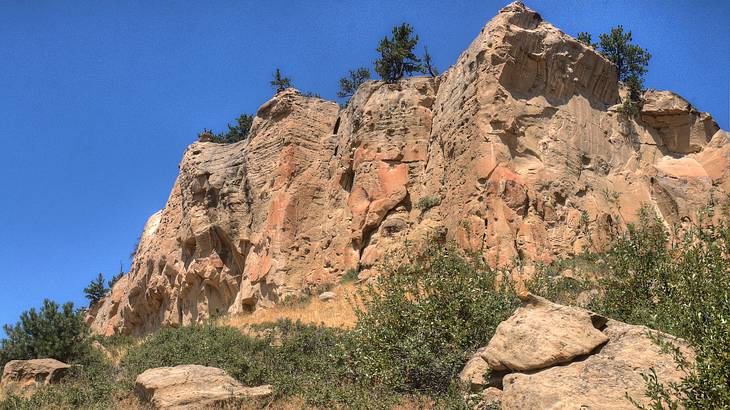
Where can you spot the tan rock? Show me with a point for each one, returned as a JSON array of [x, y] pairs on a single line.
[[20, 375], [192, 387], [542, 334], [602, 380]]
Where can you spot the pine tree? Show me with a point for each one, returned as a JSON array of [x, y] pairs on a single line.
[[54, 331], [396, 54], [350, 84], [279, 82], [630, 59], [96, 290]]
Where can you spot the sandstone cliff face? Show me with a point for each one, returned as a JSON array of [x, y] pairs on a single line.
[[520, 143]]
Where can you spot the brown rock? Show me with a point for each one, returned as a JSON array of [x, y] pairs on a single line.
[[542, 334], [192, 387], [19, 375]]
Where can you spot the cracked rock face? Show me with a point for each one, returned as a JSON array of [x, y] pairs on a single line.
[[553, 365], [517, 149]]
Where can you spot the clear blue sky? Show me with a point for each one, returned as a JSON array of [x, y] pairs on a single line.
[[98, 100]]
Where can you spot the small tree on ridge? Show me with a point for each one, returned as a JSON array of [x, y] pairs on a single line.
[[396, 54]]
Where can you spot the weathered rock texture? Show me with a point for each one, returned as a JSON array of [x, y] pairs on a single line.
[[520, 145], [193, 387], [20, 375], [573, 360]]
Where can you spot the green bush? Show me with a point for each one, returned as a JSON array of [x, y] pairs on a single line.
[[427, 202], [204, 344], [91, 384], [55, 331], [680, 286], [421, 319]]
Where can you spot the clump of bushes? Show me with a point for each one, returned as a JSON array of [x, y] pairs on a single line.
[[427, 202], [419, 321], [679, 284]]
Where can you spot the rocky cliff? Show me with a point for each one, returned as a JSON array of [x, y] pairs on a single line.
[[518, 150]]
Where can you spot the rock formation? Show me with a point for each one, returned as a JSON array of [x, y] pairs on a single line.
[[24, 375], [574, 359], [193, 387], [518, 150]]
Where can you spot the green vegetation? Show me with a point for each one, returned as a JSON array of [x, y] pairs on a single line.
[[280, 82], [350, 276], [238, 132], [427, 202], [419, 321], [586, 39], [354, 79], [55, 331], [96, 290], [680, 286], [396, 54], [630, 59]]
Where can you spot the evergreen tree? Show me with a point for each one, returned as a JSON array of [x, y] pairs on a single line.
[[350, 84], [280, 83], [56, 331], [586, 39], [630, 59], [428, 67], [396, 54], [96, 290]]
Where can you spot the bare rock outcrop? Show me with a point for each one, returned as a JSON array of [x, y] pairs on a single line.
[[542, 334], [193, 387], [22, 375], [569, 358], [516, 151]]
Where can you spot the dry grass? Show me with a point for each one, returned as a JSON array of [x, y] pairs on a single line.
[[337, 312]]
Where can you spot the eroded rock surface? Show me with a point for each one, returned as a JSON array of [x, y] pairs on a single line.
[[193, 387], [19, 375], [543, 375], [517, 149], [542, 334]]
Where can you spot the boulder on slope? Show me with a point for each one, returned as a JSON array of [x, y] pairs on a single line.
[[192, 387]]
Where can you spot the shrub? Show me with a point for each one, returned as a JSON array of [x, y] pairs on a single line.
[[352, 275], [396, 54], [96, 290], [419, 321], [91, 385], [280, 83], [350, 84], [55, 331], [428, 202], [680, 286], [586, 39], [204, 344]]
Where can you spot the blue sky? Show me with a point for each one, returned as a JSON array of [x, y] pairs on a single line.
[[98, 100]]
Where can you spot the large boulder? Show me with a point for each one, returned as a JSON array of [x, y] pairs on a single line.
[[193, 387], [21, 375], [548, 366], [542, 334]]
